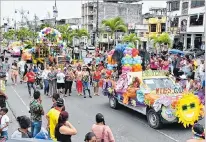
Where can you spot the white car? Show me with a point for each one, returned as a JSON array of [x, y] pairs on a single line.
[[89, 47]]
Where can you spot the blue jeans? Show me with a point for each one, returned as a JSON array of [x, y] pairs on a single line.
[[46, 86], [35, 128], [4, 134]]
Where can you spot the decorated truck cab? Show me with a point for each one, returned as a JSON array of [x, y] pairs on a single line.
[[154, 94]]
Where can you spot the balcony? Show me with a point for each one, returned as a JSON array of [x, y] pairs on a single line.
[[184, 11], [90, 13]]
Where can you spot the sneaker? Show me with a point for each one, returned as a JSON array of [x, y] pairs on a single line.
[[90, 96], [84, 96]]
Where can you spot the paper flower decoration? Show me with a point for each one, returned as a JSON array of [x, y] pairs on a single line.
[[140, 96], [188, 109], [133, 102], [168, 114]]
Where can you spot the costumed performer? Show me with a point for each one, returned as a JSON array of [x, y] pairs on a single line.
[[108, 84], [131, 90]]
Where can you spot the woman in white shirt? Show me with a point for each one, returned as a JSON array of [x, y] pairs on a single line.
[[46, 81], [60, 80]]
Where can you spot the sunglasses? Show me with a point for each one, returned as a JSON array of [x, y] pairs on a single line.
[[185, 107]]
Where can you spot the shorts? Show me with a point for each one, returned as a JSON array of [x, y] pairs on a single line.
[[95, 83], [60, 85]]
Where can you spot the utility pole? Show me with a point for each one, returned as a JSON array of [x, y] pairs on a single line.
[[97, 22]]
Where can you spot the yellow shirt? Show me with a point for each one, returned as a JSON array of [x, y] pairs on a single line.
[[2, 86], [53, 115]]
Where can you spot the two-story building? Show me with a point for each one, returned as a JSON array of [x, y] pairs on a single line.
[[156, 21], [186, 22]]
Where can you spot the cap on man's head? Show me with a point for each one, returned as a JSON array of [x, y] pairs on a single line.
[[60, 102]]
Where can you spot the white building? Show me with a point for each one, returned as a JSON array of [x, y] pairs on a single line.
[[186, 22]]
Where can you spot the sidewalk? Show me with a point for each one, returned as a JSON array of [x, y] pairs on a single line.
[[13, 125]]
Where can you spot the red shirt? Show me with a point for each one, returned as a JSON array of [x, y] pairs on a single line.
[[30, 76], [97, 75]]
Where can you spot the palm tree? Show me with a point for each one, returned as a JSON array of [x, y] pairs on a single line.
[[164, 38], [114, 25], [82, 32], [132, 38]]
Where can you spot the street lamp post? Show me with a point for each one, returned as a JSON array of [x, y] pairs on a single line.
[[23, 13], [55, 13]]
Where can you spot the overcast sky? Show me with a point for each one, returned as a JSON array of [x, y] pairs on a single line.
[[66, 9]]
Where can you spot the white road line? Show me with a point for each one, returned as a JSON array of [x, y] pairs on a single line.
[[164, 134], [20, 98], [167, 136], [24, 102]]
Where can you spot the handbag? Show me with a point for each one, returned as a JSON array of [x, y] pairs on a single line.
[[103, 133]]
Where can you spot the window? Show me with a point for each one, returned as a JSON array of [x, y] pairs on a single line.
[[104, 35], [184, 5], [197, 3], [174, 6], [175, 22], [196, 20], [163, 27], [153, 27]]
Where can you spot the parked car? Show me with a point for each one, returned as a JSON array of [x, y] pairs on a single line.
[[15, 51], [194, 52], [89, 47]]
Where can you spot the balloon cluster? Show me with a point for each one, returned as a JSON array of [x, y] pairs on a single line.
[[131, 62], [111, 62], [52, 32]]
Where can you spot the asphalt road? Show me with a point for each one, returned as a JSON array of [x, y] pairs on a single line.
[[126, 125]]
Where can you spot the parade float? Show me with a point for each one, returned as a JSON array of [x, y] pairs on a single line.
[[49, 42], [15, 48], [152, 93]]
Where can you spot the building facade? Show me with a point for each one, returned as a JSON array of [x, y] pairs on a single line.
[[186, 22], [129, 12], [156, 23]]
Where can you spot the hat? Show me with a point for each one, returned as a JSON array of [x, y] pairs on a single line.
[[60, 102]]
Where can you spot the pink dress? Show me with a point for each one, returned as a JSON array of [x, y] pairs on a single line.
[[98, 131]]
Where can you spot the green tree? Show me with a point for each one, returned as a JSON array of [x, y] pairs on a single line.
[[42, 26], [9, 35], [132, 38], [64, 30], [23, 34], [164, 38], [114, 25]]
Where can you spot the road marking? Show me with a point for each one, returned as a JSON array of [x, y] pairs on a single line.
[[164, 134], [44, 123], [20, 98], [167, 136], [158, 131]]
